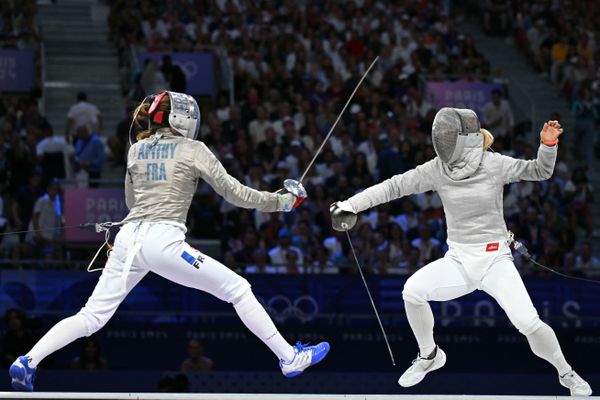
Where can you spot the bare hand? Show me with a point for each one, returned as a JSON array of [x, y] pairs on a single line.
[[551, 131]]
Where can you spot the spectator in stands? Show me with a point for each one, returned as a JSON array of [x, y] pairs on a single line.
[[258, 126], [498, 118], [413, 262], [20, 160], [495, 16], [586, 116], [83, 113], [292, 263], [579, 197], [153, 80], [18, 339], [43, 230], [119, 142], [53, 154], [196, 361], [278, 254], [173, 75], [559, 53], [409, 218], [587, 263], [88, 157], [90, 358], [429, 247], [322, 263], [24, 199], [261, 264]]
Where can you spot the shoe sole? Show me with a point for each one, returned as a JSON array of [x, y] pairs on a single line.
[[296, 373], [433, 367], [17, 374]]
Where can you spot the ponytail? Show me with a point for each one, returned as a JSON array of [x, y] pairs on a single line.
[[488, 139], [142, 117]]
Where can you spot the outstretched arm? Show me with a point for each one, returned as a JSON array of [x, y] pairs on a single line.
[[212, 171], [417, 180], [541, 168]]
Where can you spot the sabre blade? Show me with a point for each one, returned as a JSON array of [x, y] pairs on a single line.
[[371, 298], [337, 120]]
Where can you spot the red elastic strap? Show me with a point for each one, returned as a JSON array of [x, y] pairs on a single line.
[[550, 143], [298, 201], [158, 117], [156, 102]]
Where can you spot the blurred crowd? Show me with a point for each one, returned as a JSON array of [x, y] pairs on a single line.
[[294, 65], [561, 41], [20, 29], [33, 163]]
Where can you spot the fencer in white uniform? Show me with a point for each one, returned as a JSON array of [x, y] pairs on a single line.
[[163, 169], [470, 181]]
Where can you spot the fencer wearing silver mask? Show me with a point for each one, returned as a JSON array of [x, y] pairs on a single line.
[[469, 181]]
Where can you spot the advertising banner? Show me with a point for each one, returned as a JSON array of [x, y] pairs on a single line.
[[92, 205], [471, 95], [16, 70]]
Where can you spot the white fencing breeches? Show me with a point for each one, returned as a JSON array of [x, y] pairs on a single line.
[[448, 278], [464, 269], [164, 252], [160, 248]]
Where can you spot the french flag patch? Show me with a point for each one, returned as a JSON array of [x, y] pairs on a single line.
[[492, 246]]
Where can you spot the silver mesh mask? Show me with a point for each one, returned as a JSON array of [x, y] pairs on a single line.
[[454, 129], [184, 116]]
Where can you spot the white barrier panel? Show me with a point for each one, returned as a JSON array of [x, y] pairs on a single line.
[[254, 396]]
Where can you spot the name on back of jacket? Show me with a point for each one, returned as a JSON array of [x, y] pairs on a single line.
[[156, 171]]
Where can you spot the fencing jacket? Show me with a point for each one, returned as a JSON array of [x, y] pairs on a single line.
[[161, 180], [471, 192]]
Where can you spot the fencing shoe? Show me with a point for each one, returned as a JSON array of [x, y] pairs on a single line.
[[578, 387], [22, 375], [304, 357], [421, 366]]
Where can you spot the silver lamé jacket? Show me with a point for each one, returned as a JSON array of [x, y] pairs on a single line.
[[161, 180], [471, 190]]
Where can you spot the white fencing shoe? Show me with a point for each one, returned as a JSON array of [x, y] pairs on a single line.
[[421, 366], [578, 387]]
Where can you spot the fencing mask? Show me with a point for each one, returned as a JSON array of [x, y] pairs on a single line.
[[454, 130], [183, 118]]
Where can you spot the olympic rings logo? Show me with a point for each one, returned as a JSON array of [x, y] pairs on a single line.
[[305, 308]]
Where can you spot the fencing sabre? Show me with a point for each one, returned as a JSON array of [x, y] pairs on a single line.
[[347, 233], [337, 120], [371, 298]]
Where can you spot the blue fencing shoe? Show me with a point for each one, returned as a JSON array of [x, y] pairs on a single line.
[[22, 375], [304, 357]]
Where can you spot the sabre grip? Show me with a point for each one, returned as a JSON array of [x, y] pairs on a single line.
[[292, 195], [343, 216]]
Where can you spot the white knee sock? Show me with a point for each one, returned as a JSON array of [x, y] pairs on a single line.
[[60, 335], [545, 345], [254, 316], [420, 319]]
